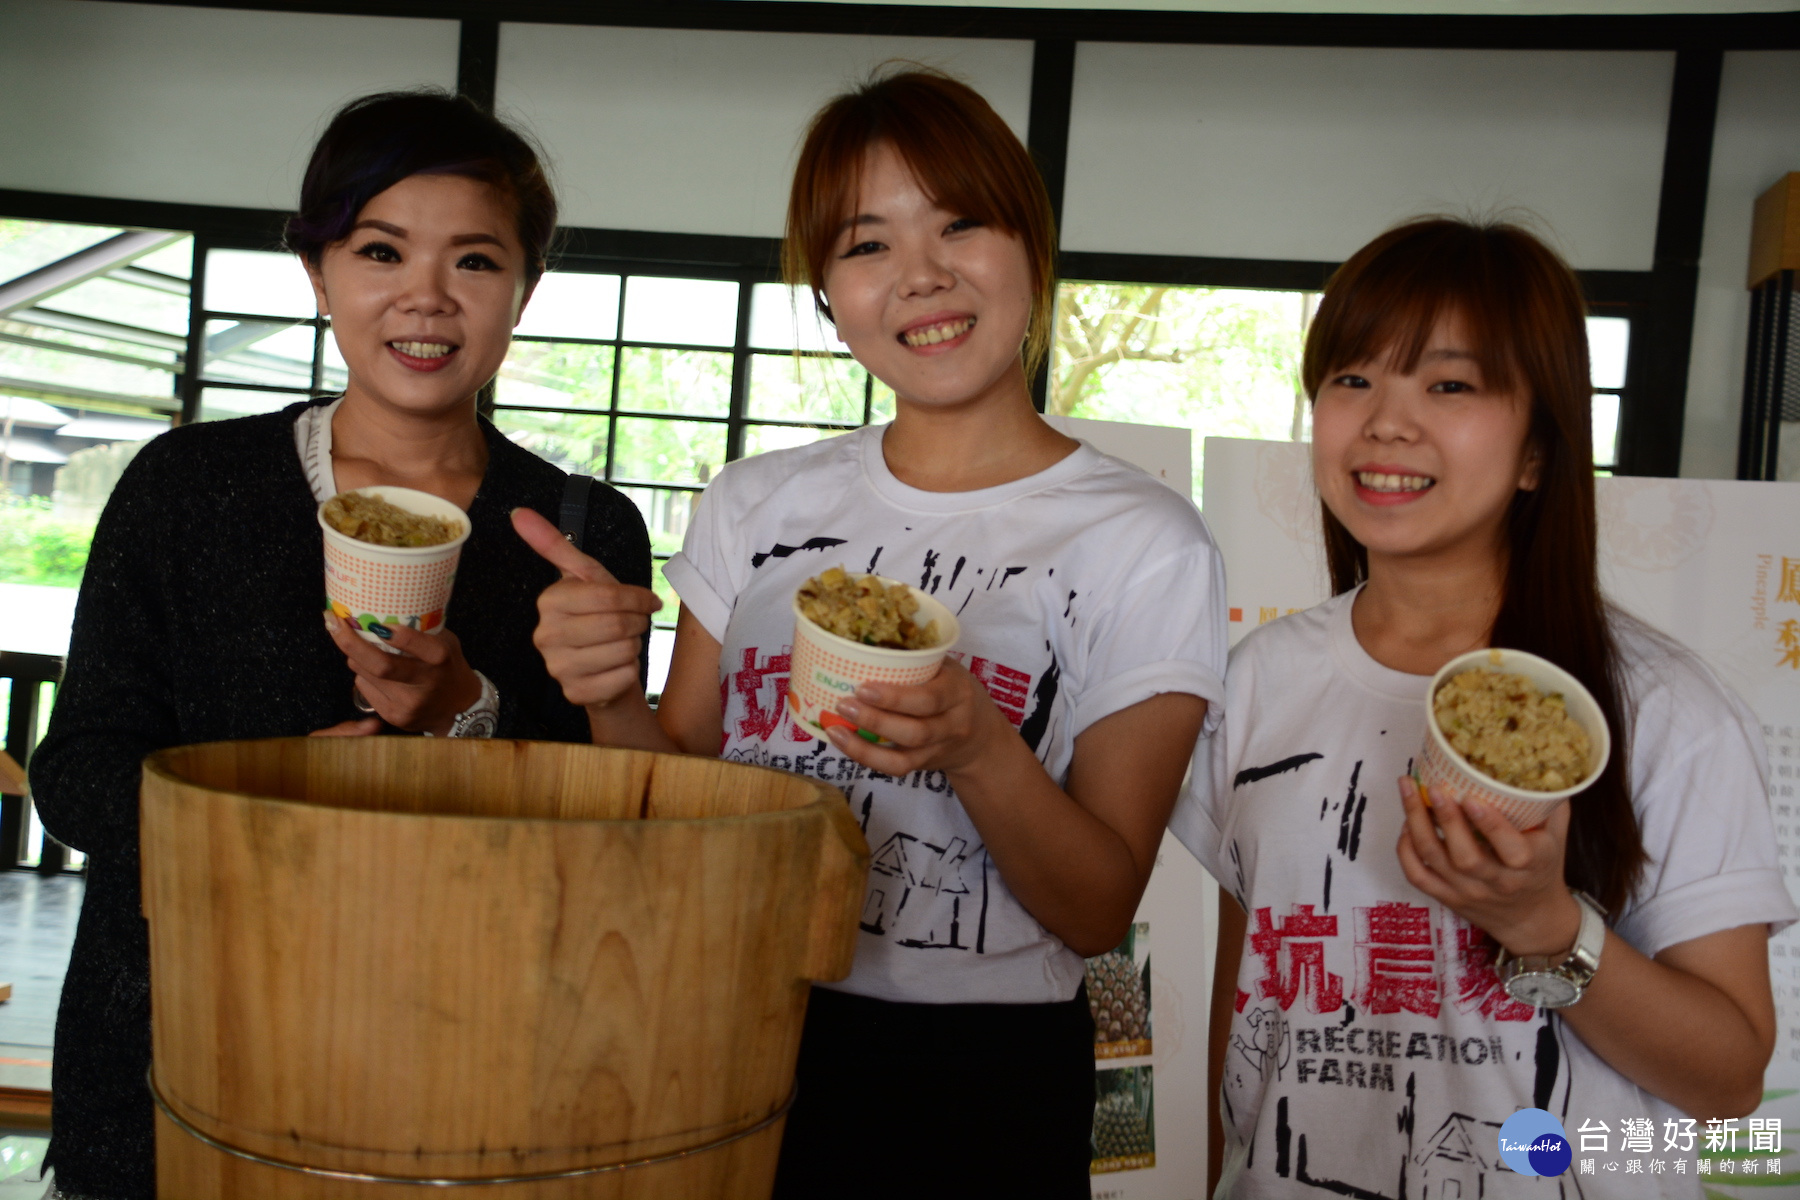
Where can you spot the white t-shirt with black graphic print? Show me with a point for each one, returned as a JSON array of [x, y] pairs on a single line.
[[1081, 590], [1374, 1052]]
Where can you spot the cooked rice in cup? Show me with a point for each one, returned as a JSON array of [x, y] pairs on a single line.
[[1508, 729], [381, 523], [865, 609]]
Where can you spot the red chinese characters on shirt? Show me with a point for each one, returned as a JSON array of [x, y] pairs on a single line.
[[1478, 986], [1396, 960], [1301, 935], [1009, 687], [760, 721], [1398, 965]]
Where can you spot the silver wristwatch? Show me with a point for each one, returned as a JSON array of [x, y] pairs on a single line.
[[1541, 980], [482, 718]]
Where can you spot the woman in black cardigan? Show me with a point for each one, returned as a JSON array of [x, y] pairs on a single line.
[[423, 224]]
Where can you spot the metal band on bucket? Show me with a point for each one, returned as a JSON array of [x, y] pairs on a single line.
[[466, 1181]]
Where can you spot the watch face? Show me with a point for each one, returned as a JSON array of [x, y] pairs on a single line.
[[1541, 989], [481, 725]]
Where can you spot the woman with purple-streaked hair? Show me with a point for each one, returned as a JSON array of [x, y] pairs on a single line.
[[423, 226]]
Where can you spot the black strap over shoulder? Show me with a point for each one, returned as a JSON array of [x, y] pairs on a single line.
[[574, 519]]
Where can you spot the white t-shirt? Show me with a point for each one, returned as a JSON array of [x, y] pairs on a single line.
[[1373, 1043], [1081, 590]]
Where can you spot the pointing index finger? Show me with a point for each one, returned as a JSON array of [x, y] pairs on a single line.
[[555, 549]]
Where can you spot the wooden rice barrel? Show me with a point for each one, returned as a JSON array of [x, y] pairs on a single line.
[[463, 960]]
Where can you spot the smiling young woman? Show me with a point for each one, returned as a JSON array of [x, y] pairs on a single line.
[[1364, 1015], [423, 224], [1016, 816]]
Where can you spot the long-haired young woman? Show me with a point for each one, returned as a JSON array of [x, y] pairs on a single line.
[[423, 223], [1375, 1017], [1016, 818]]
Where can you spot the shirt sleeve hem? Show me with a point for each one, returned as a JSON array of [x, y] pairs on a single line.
[[1709, 905], [712, 612], [1194, 828], [1152, 679]]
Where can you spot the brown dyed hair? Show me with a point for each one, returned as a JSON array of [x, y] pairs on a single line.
[[1522, 306], [964, 157]]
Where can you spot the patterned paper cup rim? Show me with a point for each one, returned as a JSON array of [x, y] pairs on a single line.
[[1548, 677], [930, 608], [413, 501]]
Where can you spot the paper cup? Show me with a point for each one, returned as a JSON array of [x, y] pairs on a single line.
[[393, 585], [1441, 771], [826, 668]]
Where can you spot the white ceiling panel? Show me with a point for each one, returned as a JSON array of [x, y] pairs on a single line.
[[695, 132], [195, 105], [1307, 153]]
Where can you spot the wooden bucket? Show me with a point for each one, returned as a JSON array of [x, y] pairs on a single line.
[[493, 961]]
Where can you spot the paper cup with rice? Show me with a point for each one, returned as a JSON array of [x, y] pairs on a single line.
[[850, 630], [1513, 731], [390, 558]]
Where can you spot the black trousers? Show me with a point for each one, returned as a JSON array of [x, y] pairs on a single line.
[[944, 1101]]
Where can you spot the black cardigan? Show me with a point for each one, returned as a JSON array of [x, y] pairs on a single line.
[[199, 620]]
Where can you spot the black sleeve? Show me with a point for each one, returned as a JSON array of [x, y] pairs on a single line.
[[115, 704], [618, 538]]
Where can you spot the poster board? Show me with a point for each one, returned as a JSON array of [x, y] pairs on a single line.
[[1713, 563], [1150, 1089]]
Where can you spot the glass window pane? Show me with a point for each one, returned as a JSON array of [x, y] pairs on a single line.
[[689, 312], [666, 616], [695, 382], [571, 304], [556, 375], [575, 442], [124, 304], [334, 376], [760, 439], [222, 404], [176, 259], [668, 451], [107, 445], [27, 245], [789, 387], [65, 375], [1217, 361], [881, 403], [1608, 340], [784, 318], [662, 649], [257, 281], [1606, 428], [272, 352], [666, 515]]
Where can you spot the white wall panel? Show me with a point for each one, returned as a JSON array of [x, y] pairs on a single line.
[[696, 132], [199, 105], [1307, 153], [1756, 142]]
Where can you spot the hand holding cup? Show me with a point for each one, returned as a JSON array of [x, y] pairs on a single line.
[[590, 626], [421, 688]]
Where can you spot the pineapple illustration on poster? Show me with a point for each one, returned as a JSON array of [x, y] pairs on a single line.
[[1124, 1120], [1118, 991]]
